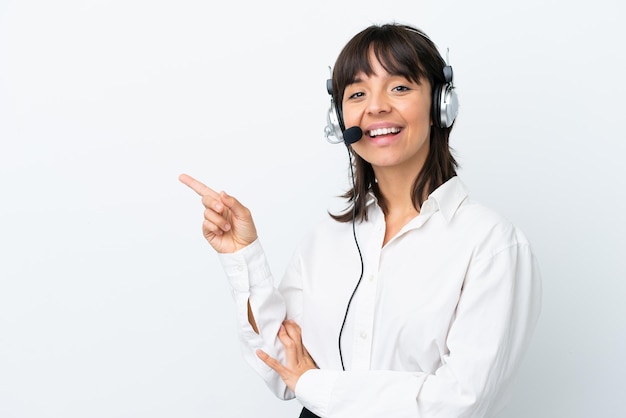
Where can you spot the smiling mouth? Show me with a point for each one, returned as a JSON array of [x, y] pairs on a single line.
[[382, 131]]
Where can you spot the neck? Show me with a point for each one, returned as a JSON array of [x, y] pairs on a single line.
[[396, 187], [400, 209]]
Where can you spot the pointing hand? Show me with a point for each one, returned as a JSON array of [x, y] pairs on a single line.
[[228, 225]]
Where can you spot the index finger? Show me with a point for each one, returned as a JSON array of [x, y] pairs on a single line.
[[196, 186]]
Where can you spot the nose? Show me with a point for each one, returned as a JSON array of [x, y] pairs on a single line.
[[378, 103]]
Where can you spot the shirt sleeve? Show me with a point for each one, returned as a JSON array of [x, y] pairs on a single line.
[[251, 280], [494, 320]]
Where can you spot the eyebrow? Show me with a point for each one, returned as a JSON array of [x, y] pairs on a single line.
[[358, 79]]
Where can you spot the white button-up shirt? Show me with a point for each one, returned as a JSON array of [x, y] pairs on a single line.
[[437, 328]]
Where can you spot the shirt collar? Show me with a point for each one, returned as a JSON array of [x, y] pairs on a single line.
[[448, 197]]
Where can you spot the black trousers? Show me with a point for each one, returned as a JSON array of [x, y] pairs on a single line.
[[307, 414]]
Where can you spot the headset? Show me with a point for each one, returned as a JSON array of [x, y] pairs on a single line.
[[445, 107]]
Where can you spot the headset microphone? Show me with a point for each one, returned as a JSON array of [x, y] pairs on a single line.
[[352, 135]]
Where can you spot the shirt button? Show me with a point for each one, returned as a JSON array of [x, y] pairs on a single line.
[[239, 267], [372, 277], [363, 335]]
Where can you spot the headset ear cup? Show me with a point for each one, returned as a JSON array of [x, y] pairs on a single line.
[[445, 105], [445, 101], [333, 130], [449, 106]]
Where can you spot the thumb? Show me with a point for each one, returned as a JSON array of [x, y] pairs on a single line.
[[241, 219]]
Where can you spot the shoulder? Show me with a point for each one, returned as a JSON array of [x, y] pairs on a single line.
[[327, 238], [489, 230], [327, 230]]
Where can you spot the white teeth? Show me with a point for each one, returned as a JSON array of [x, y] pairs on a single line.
[[384, 131]]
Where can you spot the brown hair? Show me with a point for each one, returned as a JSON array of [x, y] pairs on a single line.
[[406, 51]]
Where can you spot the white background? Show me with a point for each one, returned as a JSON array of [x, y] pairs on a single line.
[[111, 302]]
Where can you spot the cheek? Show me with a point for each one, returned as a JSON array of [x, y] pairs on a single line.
[[424, 116], [349, 117]]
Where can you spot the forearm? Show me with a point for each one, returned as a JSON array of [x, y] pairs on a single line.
[[339, 394], [260, 310]]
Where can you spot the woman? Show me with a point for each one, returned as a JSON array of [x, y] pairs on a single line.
[[414, 302]]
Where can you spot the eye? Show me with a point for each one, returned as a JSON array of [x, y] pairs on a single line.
[[356, 95], [401, 88]]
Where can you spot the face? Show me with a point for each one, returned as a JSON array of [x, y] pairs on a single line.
[[394, 114]]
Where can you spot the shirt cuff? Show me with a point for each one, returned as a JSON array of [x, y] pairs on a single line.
[[314, 389], [246, 267]]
